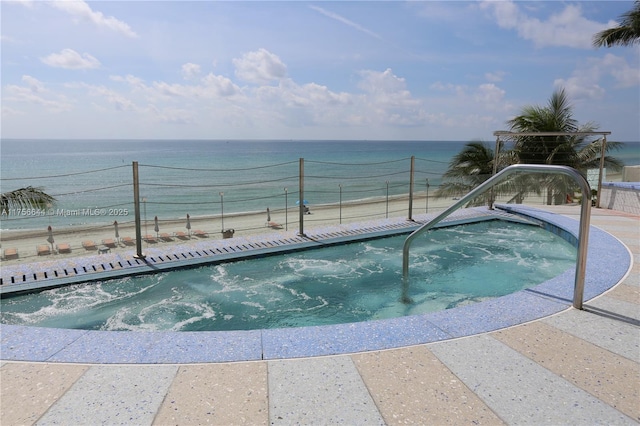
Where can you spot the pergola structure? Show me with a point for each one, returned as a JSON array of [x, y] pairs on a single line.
[[505, 134]]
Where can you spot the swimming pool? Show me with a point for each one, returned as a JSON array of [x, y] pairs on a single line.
[[608, 262], [452, 267]]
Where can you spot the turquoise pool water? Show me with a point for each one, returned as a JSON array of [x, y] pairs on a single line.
[[355, 282]]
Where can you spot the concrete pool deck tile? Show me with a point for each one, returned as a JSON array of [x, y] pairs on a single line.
[[349, 338], [28, 390], [113, 395], [617, 336], [626, 292], [411, 386], [222, 394], [622, 310], [38, 344], [579, 362], [519, 390], [319, 391]]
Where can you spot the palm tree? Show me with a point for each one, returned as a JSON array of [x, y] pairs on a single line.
[[25, 198], [626, 33], [467, 169], [569, 150]]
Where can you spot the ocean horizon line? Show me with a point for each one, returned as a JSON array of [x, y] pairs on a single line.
[[257, 140]]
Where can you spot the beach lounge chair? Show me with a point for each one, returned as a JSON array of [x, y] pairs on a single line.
[[149, 238], [43, 250], [199, 233], [63, 248], [127, 241], [109, 242], [89, 245], [165, 237], [181, 235], [274, 225], [10, 253]]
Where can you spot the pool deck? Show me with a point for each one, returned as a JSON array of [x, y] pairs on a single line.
[[574, 367]]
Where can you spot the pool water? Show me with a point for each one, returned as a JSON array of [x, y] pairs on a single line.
[[361, 281]]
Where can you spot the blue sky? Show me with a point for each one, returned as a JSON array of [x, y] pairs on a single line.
[[421, 70]]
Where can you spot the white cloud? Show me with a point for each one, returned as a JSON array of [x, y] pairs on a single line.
[[173, 90], [34, 84], [260, 66], [173, 115], [117, 100], [495, 77], [386, 88], [219, 86], [489, 94], [35, 92], [70, 59], [82, 11], [619, 69], [10, 111], [190, 71], [458, 89], [25, 3], [133, 81], [567, 28], [586, 81]]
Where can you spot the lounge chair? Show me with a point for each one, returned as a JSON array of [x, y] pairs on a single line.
[[165, 237], [127, 241], [181, 235], [109, 242], [43, 250], [199, 233], [89, 245], [10, 253], [149, 238], [63, 248]]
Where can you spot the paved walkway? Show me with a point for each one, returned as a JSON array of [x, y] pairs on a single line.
[[577, 367]]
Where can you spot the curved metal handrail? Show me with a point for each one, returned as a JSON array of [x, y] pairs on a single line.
[[583, 234]]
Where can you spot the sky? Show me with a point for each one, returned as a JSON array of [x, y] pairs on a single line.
[[365, 70]]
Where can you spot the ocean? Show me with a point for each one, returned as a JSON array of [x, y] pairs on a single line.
[[92, 180]]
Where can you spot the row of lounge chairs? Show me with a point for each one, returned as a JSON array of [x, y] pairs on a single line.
[[108, 243], [163, 236]]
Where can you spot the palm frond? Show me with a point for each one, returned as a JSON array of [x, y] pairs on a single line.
[[627, 33], [25, 198]]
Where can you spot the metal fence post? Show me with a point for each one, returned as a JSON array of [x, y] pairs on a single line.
[[136, 203], [411, 173], [301, 197]]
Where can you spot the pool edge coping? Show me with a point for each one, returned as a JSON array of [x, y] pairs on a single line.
[[165, 347]]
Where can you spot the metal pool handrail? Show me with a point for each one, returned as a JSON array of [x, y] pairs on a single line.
[[583, 234]]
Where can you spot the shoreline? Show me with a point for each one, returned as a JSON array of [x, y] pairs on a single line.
[[17, 234]]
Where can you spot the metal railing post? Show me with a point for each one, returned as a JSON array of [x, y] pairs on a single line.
[[603, 152], [583, 233], [136, 204], [301, 197], [411, 174]]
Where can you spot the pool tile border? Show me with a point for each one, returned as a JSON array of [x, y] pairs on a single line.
[[608, 262]]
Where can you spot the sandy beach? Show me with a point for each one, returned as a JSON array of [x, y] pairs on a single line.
[[72, 241]]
